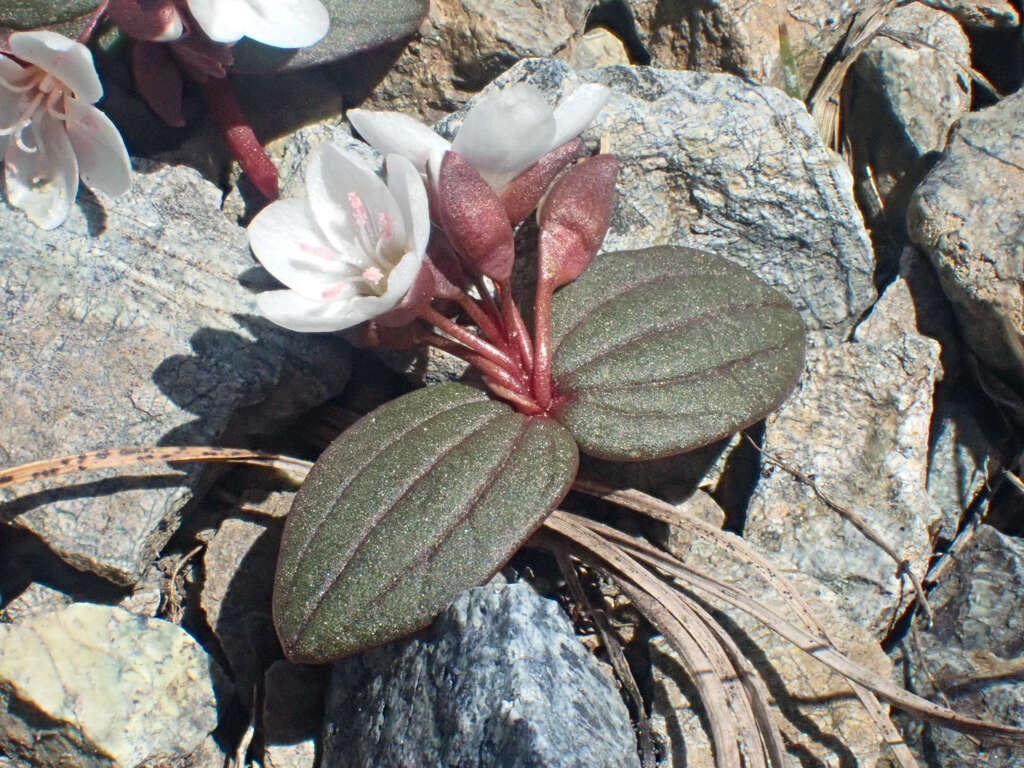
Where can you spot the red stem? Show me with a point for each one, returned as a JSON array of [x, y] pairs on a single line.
[[94, 20], [514, 325], [471, 340], [485, 366], [239, 136], [542, 343], [480, 316], [522, 403], [487, 298]]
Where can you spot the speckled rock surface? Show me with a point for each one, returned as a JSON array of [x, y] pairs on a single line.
[[132, 325], [498, 680], [859, 424], [94, 686], [823, 720], [909, 89], [983, 14], [968, 215], [971, 657]]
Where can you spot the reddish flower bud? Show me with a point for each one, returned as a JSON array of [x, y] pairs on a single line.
[[154, 20], [474, 218], [574, 218], [521, 195], [159, 81]]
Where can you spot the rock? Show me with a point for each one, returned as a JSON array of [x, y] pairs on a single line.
[[823, 721], [982, 14], [293, 710], [859, 426], [741, 37], [463, 44], [499, 679], [968, 216], [971, 657], [93, 685], [239, 565], [713, 162], [129, 326], [906, 94], [36, 599]]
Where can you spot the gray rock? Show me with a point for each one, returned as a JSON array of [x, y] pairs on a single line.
[[93, 686], [858, 425], [968, 215], [981, 14], [824, 722], [713, 162], [909, 87], [463, 44], [498, 680], [293, 710], [742, 37], [36, 599], [132, 325], [971, 656]]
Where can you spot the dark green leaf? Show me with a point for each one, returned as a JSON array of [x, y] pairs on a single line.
[[30, 14], [355, 26], [663, 350], [424, 497]]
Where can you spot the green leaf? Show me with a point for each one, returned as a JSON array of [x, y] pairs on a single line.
[[30, 14], [356, 25], [666, 349], [424, 497]]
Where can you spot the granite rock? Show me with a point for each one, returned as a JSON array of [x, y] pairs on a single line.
[[859, 426], [982, 14], [498, 680], [823, 721], [971, 656], [133, 325], [909, 87], [93, 686], [968, 216]]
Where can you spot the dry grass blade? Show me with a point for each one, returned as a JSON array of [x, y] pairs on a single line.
[[707, 674], [123, 457], [614, 649], [813, 646], [666, 513]]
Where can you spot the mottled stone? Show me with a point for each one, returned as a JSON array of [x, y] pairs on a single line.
[[93, 686], [981, 14], [498, 679], [971, 656], [133, 325], [968, 216], [741, 37], [909, 87], [820, 715], [859, 426], [463, 44], [36, 599]]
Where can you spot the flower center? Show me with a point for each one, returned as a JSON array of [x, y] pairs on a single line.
[[375, 240], [42, 92]]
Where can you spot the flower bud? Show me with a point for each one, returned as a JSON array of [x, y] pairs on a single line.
[[574, 218], [474, 218], [155, 20], [521, 195]]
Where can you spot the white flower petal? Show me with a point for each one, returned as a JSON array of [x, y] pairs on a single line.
[[395, 133], [578, 110], [297, 313], [43, 183], [280, 23], [67, 60], [103, 161], [406, 186], [290, 246], [336, 181], [12, 72], [505, 134]]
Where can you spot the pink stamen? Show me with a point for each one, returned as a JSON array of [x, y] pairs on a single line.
[[333, 291], [373, 275], [384, 224], [358, 210]]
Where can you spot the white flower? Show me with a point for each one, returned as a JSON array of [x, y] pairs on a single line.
[[49, 131], [280, 23], [350, 251], [503, 134]]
